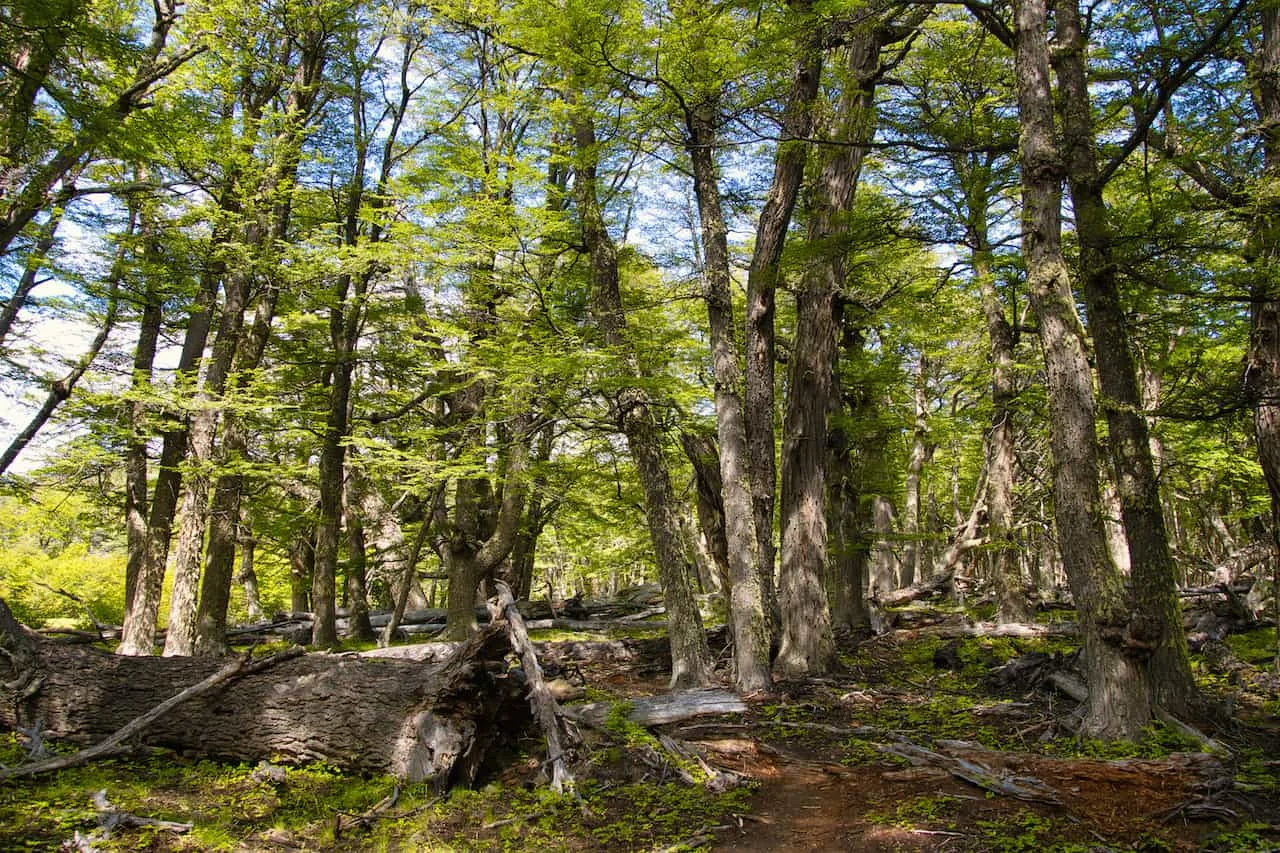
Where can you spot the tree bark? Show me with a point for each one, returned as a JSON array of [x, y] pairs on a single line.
[[748, 611], [423, 723], [807, 645], [691, 659], [1262, 377], [1119, 695], [1157, 622], [762, 283]]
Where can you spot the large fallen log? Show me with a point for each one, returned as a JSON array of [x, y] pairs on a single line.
[[417, 721]]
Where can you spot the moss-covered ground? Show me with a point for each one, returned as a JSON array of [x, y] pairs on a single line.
[[814, 752]]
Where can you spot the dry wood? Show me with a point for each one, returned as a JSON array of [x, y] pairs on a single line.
[[661, 710], [974, 772], [545, 708], [364, 820], [109, 817], [432, 722], [117, 742]]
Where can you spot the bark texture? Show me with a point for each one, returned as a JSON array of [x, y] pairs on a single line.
[[747, 607], [419, 722], [1156, 623], [690, 657], [1119, 696], [762, 284]]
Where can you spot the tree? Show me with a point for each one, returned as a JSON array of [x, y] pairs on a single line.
[[1119, 702]]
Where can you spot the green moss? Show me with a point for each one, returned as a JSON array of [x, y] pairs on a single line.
[[919, 810], [1248, 838], [1257, 647], [1157, 741]]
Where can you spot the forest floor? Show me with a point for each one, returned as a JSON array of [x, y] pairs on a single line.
[[819, 766]]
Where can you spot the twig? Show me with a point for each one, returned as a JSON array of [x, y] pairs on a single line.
[[114, 743], [366, 819], [517, 819], [702, 836]]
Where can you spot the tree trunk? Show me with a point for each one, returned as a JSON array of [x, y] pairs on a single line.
[[762, 283], [1119, 696], [142, 604], [420, 722], [1012, 604], [747, 606], [1262, 378], [302, 558], [135, 465], [702, 455], [690, 657], [807, 645], [357, 577], [247, 577], [1158, 620], [921, 452]]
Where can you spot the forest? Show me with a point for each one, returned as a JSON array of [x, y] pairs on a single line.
[[626, 424]]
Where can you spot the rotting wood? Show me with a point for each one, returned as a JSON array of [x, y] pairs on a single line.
[[433, 722], [117, 742], [972, 771], [545, 708], [661, 710]]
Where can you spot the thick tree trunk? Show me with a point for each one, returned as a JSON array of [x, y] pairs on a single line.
[[1157, 622], [1119, 695], [420, 722], [807, 645], [1262, 379], [691, 659]]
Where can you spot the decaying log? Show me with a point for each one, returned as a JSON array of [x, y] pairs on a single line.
[[545, 709], [974, 771], [660, 710], [417, 721], [991, 629], [117, 742]]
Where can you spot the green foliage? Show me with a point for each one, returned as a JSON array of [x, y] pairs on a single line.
[[1157, 741], [56, 541], [1250, 837]]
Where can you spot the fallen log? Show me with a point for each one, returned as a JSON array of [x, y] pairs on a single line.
[[660, 710], [117, 741], [420, 722], [991, 629]]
